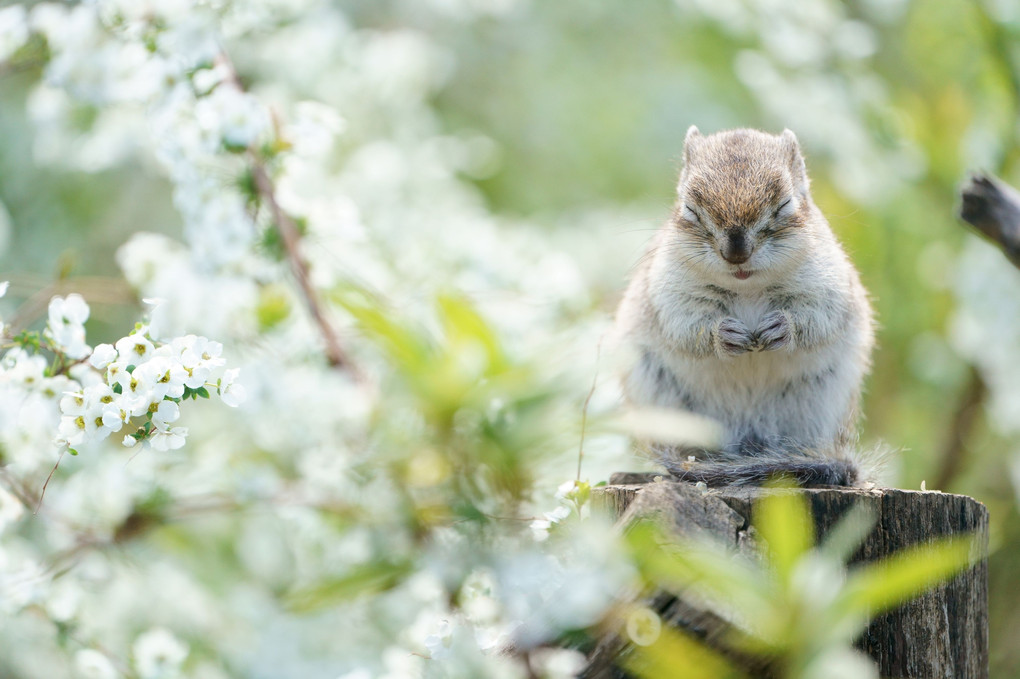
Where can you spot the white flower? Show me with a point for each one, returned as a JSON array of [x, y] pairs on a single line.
[[73, 430], [138, 390], [557, 663], [63, 600], [115, 372], [70, 309], [13, 30], [114, 418], [91, 664], [166, 376], [65, 325], [236, 117], [3, 287], [170, 438], [100, 394], [198, 357], [159, 317], [540, 527], [99, 399], [102, 356], [135, 348], [438, 643], [565, 488], [74, 403], [11, 509], [23, 369], [233, 394], [52, 387], [129, 441], [165, 413], [205, 79], [158, 654]]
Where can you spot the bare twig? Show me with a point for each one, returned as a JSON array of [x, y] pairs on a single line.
[[993, 208], [95, 289], [960, 428], [42, 493], [584, 410], [291, 238], [299, 266]]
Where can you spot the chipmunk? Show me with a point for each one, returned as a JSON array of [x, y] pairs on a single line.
[[746, 309]]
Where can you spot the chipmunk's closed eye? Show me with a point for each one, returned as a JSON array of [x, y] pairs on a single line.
[[785, 208], [691, 214]]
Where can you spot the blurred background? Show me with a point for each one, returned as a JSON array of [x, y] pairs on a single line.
[[570, 117]]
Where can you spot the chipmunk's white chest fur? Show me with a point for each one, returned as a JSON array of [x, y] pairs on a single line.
[[747, 310], [801, 396]]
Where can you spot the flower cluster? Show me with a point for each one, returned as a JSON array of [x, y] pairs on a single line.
[[141, 378], [137, 382], [354, 162]]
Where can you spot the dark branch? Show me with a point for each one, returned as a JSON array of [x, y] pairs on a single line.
[[964, 421], [291, 238], [993, 208]]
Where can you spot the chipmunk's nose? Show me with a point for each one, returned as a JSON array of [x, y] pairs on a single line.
[[735, 247]]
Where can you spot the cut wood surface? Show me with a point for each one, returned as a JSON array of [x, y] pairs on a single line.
[[941, 633]]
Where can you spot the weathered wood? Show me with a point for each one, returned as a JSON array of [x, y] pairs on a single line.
[[942, 633]]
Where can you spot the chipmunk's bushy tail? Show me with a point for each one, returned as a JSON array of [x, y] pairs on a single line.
[[754, 467]]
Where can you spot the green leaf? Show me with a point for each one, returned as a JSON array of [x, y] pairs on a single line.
[[677, 656], [117, 389], [273, 306], [404, 346], [463, 325], [783, 519], [843, 539], [878, 587], [72, 451], [203, 392], [712, 570], [370, 578]]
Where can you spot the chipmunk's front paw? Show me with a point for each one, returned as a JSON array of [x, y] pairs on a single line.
[[774, 332], [733, 338]]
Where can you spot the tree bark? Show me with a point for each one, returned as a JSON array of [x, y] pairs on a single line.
[[941, 633], [993, 208]]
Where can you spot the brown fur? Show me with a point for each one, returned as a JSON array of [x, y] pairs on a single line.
[[735, 176]]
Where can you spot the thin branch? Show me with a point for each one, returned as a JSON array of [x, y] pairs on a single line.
[[584, 410], [42, 493], [290, 236], [964, 419], [993, 208], [95, 289]]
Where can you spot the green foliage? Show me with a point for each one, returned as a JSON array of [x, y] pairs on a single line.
[[799, 602], [672, 654], [487, 413], [363, 580], [274, 305]]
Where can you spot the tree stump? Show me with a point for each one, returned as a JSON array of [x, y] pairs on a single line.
[[941, 633]]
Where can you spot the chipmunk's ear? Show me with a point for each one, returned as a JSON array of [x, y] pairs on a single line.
[[795, 160], [691, 141]]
